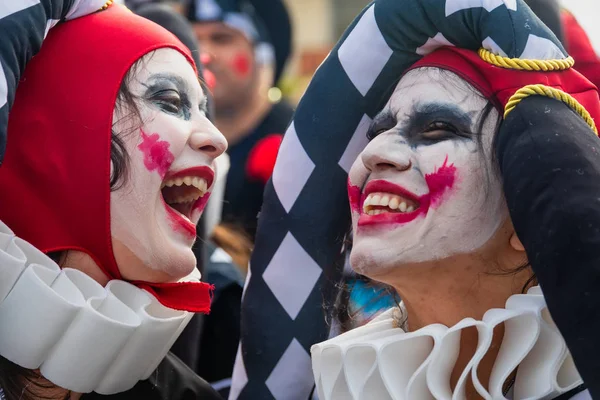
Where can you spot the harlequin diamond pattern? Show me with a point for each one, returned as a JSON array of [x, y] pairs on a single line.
[[291, 275], [10, 7], [3, 88], [367, 39], [292, 157], [239, 374], [433, 44], [356, 144], [283, 382], [304, 218], [453, 6]]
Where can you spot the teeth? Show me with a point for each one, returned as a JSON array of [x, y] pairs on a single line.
[[389, 200], [385, 200], [367, 202], [195, 181]]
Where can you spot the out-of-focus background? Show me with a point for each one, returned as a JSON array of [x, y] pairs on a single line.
[[586, 12], [318, 24], [242, 46]]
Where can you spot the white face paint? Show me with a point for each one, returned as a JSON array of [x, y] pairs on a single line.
[[424, 188], [171, 169]]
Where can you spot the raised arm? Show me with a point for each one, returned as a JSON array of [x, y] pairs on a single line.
[[23, 26]]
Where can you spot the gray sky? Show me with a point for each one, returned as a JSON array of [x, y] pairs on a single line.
[[587, 13]]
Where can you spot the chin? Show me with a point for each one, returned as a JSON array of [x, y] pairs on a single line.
[[179, 263], [376, 258], [367, 260]]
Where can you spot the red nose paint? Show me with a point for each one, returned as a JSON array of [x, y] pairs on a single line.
[[156, 153], [439, 182], [205, 58], [210, 79], [241, 65]]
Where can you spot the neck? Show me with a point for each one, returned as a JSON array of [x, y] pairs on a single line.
[[454, 294], [238, 121]]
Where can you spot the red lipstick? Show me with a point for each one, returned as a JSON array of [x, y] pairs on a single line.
[[439, 182], [390, 217]]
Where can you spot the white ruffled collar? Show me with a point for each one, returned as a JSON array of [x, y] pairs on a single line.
[[82, 336], [380, 361]]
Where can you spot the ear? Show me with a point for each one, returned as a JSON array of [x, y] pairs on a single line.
[[515, 242]]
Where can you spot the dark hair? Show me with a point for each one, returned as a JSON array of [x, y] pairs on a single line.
[[20, 383]]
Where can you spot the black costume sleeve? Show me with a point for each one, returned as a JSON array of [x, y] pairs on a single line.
[[221, 335], [172, 380], [23, 27], [550, 162]]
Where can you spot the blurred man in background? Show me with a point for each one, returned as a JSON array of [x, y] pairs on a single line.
[[245, 45], [209, 343]]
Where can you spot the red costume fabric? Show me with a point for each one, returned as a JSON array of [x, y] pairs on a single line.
[[262, 157], [580, 47], [499, 84], [56, 174]]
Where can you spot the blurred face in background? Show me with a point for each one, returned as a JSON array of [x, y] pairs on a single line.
[[229, 55]]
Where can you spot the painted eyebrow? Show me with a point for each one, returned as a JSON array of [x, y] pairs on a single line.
[[181, 85], [384, 120], [422, 115], [172, 78]]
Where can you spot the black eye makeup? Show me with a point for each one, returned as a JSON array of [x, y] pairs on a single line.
[[426, 124], [384, 121], [169, 93]]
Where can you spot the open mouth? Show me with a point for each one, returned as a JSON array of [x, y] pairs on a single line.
[[381, 202], [185, 194], [182, 193], [384, 202]]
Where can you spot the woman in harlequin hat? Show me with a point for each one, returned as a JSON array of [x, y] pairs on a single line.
[[109, 164], [473, 162]]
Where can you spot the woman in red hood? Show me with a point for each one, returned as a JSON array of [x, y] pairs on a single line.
[[109, 165]]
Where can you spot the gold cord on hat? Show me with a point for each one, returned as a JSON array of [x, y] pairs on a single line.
[[525, 65], [543, 90], [106, 5], [538, 90]]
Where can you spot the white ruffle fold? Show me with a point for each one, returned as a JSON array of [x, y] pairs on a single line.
[[380, 361], [82, 336]]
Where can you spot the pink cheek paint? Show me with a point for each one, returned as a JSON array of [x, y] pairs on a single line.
[[156, 153], [440, 181], [241, 65], [354, 196]]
